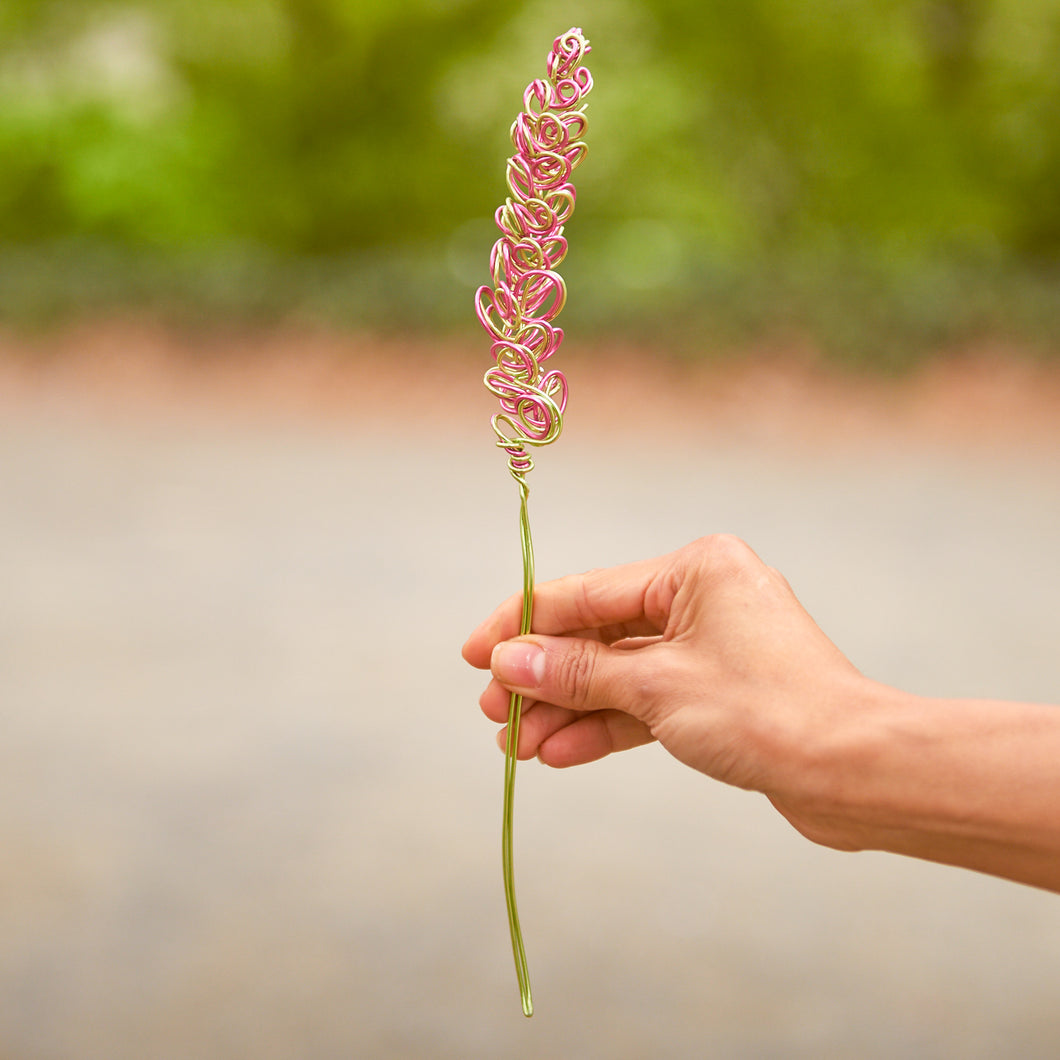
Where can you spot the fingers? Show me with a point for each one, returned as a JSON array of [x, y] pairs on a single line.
[[608, 604], [494, 702], [501, 625], [536, 724], [559, 736], [537, 721], [575, 673], [562, 738], [613, 601], [590, 737]]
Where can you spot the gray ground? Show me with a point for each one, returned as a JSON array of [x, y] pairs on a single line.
[[249, 808]]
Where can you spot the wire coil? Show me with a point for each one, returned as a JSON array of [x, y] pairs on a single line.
[[527, 293]]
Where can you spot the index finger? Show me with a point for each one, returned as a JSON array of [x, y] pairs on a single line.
[[608, 605]]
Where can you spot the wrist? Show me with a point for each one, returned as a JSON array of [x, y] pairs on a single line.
[[845, 790], [971, 783]]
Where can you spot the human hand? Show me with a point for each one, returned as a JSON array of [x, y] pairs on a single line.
[[706, 650]]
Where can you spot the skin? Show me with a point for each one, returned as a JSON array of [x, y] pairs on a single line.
[[708, 651]]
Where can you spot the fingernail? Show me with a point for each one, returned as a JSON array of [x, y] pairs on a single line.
[[518, 663]]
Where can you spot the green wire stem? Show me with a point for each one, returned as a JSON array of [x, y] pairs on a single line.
[[515, 707]]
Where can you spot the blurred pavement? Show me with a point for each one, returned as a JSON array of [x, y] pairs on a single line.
[[249, 808]]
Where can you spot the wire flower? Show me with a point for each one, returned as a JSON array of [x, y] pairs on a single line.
[[527, 293], [517, 311]]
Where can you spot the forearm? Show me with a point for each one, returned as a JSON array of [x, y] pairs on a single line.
[[973, 783]]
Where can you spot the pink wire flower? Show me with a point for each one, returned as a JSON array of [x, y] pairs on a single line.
[[517, 311], [527, 293]]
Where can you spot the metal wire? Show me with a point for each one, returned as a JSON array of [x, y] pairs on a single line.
[[517, 311]]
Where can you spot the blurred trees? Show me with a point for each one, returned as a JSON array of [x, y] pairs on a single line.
[[766, 162]]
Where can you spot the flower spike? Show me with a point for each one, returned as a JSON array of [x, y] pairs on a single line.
[[517, 311]]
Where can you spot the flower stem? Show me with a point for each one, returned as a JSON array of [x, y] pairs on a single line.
[[515, 706]]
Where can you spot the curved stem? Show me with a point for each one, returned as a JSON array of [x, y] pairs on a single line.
[[515, 706]]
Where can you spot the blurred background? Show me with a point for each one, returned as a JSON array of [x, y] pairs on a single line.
[[250, 507], [880, 175]]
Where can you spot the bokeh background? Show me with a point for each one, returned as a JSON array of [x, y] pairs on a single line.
[[250, 507], [879, 174]]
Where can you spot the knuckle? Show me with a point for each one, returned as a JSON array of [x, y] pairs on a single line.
[[778, 580], [584, 603], [648, 689], [721, 554], [574, 674]]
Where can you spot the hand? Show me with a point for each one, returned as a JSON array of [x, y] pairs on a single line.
[[706, 650]]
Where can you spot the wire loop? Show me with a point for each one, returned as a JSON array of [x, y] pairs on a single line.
[[527, 292]]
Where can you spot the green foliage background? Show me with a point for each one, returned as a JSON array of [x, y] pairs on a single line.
[[879, 175]]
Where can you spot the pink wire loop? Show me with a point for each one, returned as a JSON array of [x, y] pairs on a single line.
[[527, 292], [494, 309], [568, 49], [514, 360], [541, 338]]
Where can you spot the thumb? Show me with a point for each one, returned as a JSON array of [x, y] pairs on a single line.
[[568, 672]]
